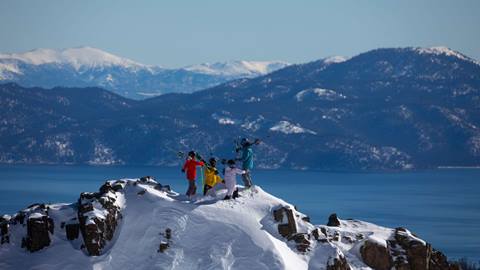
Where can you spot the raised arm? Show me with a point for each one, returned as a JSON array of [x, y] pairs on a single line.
[[238, 171]]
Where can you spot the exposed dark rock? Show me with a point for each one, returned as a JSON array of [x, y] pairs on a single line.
[[339, 263], [163, 246], [284, 230], [320, 234], [333, 220], [72, 231], [302, 241], [336, 236], [117, 186], [141, 192], [278, 214], [306, 218], [38, 233], [97, 230], [438, 261], [146, 179], [106, 188], [413, 253], [19, 218], [288, 228], [161, 187], [4, 225], [375, 255]]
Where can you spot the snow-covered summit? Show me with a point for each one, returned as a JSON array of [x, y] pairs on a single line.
[[141, 224], [238, 68], [335, 59], [87, 66], [81, 57], [442, 50]]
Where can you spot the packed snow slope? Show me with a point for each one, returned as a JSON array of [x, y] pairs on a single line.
[[141, 224]]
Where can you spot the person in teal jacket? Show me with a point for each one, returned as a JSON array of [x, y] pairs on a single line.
[[247, 160]]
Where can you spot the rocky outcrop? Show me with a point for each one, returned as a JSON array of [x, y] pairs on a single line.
[[288, 225], [4, 226], [92, 223], [403, 251], [72, 231], [98, 215], [338, 263], [376, 255], [167, 240], [39, 227], [333, 220], [287, 217]]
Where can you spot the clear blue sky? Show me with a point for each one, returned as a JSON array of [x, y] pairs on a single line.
[[180, 32]]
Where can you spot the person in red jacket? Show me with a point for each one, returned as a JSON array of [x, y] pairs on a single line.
[[190, 167]]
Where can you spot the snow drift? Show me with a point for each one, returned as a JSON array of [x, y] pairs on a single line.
[[142, 224]]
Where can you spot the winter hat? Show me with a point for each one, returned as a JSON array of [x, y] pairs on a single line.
[[212, 161]]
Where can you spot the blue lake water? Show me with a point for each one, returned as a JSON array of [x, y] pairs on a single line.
[[441, 206]]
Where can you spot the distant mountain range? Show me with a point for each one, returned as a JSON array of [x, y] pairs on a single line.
[[90, 67], [386, 109]]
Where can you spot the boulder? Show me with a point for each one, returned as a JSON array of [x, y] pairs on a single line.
[[438, 261], [4, 226], [415, 254], [106, 188], [168, 233], [97, 230], [288, 224], [72, 231], [163, 246], [19, 218], [333, 220], [38, 228], [302, 241], [376, 255], [339, 263]]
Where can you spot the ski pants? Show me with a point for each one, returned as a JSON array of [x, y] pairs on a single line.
[[247, 179], [192, 188], [206, 188]]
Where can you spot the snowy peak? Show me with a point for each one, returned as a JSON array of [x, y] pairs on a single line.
[[442, 50], [238, 68], [88, 66], [82, 57], [335, 59]]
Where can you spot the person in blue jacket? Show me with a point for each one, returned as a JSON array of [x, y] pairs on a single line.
[[247, 160]]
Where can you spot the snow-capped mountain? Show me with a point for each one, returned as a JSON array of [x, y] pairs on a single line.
[[247, 69], [86, 67], [397, 108], [79, 58], [142, 224]]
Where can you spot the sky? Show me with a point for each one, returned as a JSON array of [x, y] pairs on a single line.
[[181, 32]]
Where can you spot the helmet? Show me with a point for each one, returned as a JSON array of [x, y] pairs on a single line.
[[212, 161], [231, 163], [191, 153]]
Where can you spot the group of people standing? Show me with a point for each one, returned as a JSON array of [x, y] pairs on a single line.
[[212, 175]]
